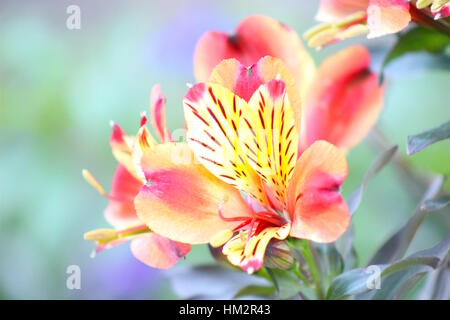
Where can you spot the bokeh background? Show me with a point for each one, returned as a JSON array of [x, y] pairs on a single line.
[[59, 89]]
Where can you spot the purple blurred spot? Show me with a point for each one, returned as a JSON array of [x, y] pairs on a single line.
[[172, 47], [119, 276]]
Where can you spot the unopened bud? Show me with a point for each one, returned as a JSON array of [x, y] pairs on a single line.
[[278, 255]]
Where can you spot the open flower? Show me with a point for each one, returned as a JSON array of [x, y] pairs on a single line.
[[347, 18], [255, 37], [250, 186], [339, 103], [147, 246]]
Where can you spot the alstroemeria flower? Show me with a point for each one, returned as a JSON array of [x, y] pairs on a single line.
[[339, 103], [255, 37], [249, 187], [348, 18], [146, 245]]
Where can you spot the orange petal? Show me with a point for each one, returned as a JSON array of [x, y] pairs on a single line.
[[255, 37], [332, 10], [344, 101], [269, 137], [181, 198], [157, 251], [387, 16], [158, 114], [243, 80], [120, 211], [213, 115], [315, 206]]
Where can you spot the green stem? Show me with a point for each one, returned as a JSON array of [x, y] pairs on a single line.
[[309, 258], [300, 275], [264, 273], [416, 182]]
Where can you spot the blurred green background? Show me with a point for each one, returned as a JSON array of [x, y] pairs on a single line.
[[59, 89]]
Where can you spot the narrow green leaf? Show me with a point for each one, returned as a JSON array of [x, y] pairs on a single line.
[[354, 200], [329, 262], [401, 276], [355, 282], [437, 285], [286, 283], [418, 39], [422, 140], [350, 283], [436, 204], [397, 285], [395, 247], [345, 247]]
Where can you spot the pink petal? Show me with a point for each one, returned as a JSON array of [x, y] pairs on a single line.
[[332, 10], [315, 205], [157, 251], [158, 114], [387, 16], [244, 81], [120, 211], [344, 101], [255, 37]]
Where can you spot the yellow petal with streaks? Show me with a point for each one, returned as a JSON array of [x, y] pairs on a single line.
[[213, 115], [269, 137]]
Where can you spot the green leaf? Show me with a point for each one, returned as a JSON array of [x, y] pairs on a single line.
[[254, 290], [394, 277], [395, 247], [346, 249], [286, 283], [403, 275], [396, 286], [436, 204], [350, 283], [329, 262], [418, 39], [354, 200], [420, 141], [437, 285]]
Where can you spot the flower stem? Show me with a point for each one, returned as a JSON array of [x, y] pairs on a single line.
[[416, 182], [300, 275], [310, 260]]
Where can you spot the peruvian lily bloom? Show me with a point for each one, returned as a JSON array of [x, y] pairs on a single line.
[[348, 18], [147, 246], [255, 37], [241, 182], [339, 102]]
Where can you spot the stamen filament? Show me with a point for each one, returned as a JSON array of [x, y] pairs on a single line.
[[97, 186], [132, 230], [275, 219], [230, 219]]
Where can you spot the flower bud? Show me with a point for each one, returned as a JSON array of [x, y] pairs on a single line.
[[278, 255]]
